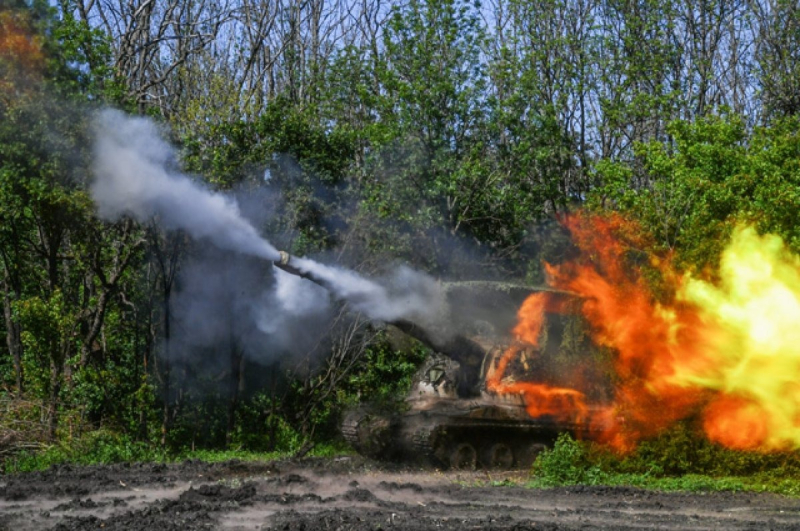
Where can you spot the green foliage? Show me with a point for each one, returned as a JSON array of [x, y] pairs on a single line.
[[432, 70], [219, 456], [639, 62], [233, 150], [690, 192], [331, 449], [682, 450], [99, 446], [384, 375], [567, 463], [678, 459], [430, 164], [675, 452], [113, 449], [260, 427], [80, 60]]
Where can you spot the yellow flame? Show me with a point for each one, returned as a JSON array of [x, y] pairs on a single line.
[[752, 337]]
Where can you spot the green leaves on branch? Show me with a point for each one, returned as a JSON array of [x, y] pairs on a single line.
[[713, 174]]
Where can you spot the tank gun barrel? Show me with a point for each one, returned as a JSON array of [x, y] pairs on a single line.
[[285, 264], [406, 326], [455, 346]]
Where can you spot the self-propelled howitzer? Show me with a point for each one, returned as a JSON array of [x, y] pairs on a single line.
[[451, 417]]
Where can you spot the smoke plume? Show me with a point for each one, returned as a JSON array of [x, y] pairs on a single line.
[[405, 294], [132, 177], [135, 175], [227, 300]]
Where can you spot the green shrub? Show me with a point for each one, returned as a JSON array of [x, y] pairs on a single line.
[[567, 463], [384, 375], [678, 459], [683, 450], [676, 451], [261, 428]]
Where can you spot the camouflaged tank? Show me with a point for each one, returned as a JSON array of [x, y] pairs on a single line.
[[449, 417], [440, 425]]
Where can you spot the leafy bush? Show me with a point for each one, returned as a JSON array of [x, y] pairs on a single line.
[[683, 450], [679, 459], [260, 427], [567, 463], [676, 451], [384, 375]]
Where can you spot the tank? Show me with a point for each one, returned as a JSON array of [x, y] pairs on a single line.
[[454, 416], [441, 425]]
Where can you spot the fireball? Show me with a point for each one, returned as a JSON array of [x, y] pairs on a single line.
[[726, 351]]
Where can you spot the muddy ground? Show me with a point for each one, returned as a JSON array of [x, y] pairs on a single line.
[[354, 494]]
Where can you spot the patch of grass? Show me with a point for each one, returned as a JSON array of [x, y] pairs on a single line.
[[218, 456], [331, 449], [99, 447], [103, 447], [671, 463], [705, 483], [141, 452]]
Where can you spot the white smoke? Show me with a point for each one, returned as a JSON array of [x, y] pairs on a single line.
[[132, 178], [296, 298], [405, 294]]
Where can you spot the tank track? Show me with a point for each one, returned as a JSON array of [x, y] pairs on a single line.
[[368, 432], [430, 439], [422, 441], [427, 443], [424, 444]]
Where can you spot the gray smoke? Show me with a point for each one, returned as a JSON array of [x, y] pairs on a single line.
[[228, 293], [131, 163], [298, 300], [228, 300], [404, 294]]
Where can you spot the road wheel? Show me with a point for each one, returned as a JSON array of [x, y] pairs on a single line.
[[463, 457], [526, 454], [498, 456]]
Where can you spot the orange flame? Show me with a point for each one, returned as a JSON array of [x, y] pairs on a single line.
[[728, 352], [541, 400], [649, 339], [735, 423]]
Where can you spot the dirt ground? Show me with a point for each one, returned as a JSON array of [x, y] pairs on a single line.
[[351, 493]]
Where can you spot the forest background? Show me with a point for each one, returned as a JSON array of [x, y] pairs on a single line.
[[446, 135]]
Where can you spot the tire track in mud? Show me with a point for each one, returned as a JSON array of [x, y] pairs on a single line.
[[358, 495]]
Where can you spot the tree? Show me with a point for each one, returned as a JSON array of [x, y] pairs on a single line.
[[778, 56], [62, 268], [714, 175]]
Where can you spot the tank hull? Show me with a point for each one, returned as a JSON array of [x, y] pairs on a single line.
[[456, 433]]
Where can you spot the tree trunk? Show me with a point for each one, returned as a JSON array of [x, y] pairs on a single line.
[[236, 385], [13, 336], [165, 421], [55, 390]]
